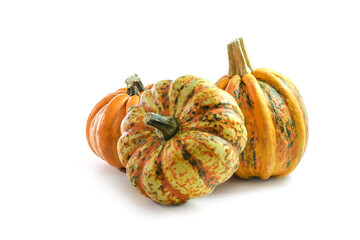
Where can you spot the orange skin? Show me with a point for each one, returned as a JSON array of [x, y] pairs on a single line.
[[276, 122], [104, 121]]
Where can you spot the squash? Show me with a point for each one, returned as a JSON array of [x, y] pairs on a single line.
[[275, 116], [103, 124], [182, 140]]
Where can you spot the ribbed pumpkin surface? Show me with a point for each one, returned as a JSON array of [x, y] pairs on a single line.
[[203, 153], [276, 122], [275, 116], [103, 124]]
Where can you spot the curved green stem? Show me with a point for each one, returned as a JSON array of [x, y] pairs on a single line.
[[165, 126]]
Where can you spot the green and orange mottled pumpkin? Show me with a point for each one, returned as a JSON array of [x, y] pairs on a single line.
[[182, 140], [275, 116], [103, 124]]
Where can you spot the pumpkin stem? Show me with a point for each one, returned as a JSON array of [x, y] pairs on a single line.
[[134, 85], [165, 126], [239, 62]]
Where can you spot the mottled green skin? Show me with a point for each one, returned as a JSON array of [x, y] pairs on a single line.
[[202, 154]]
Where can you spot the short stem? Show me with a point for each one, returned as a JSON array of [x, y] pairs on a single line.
[[131, 91], [166, 126], [134, 85], [239, 63]]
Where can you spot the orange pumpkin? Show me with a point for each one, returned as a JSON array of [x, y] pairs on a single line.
[[103, 124], [275, 116]]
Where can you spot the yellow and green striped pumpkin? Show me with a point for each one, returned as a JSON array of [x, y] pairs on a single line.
[[275, 116], [182, 140]]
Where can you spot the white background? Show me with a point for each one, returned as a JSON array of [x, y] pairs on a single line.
[[58, 58]]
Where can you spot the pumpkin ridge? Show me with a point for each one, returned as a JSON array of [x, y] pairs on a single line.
[[94, 140], [196, 105], [233, 84], [201, 138], [133, 100], [248, 167], [195, 163], [109, 137], [130, 141], [116, 126], [295, 112], [181, 95], [134, 114], [92, 118], [154, 99], [296, 92], [189, 107], [135, 171], [222, 82], [194, 90], [171, 188], [237, 89], [160, 98], [265, 128], [179, 173], [170, 195], [279, 75], [284, 126], [221, 117]]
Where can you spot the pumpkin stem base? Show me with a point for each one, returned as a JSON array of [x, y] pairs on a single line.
[[134, 85], [165, 126]]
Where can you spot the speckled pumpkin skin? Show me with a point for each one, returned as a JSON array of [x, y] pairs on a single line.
[[276, 122], [102, 127], [201, 155]]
